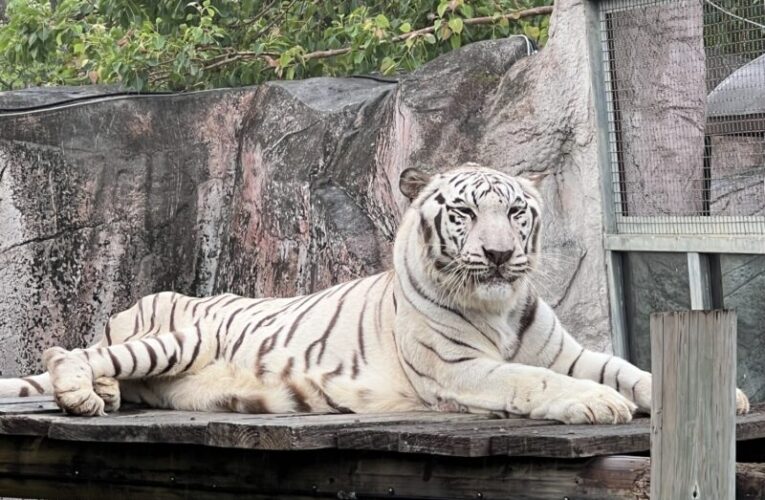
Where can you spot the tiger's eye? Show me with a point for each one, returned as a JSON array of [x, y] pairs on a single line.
[[465, 211]]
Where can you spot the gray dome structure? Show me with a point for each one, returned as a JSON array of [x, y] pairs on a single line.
[[741, 93]]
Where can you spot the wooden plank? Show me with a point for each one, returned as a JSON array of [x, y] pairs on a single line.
[[28, 405], [435, 433], [25, 400], [461, 439], [503, 437], [750, 481], [569, 441], [56, 489], [34, 467], [290, 432], [751, 425], [693, 409], [28, 425], [42, 467], [141, 426], [524, 437]]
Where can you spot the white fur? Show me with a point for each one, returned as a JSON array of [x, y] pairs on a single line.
[[454, 327]]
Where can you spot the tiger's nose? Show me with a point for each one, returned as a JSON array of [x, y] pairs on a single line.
[[497, 257]]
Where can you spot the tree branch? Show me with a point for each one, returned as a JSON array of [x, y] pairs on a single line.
[[536, 11], [230, 56]]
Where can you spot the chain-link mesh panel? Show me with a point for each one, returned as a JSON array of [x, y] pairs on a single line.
[[685, 93]]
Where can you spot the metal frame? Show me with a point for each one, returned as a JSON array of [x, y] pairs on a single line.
[[614, 266], [701, 241], [684, 243]]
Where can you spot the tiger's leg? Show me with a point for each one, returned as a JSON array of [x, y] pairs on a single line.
[[523, 390], [623, 376], [219, 386], [74, 373], [33, 385], [546, 343]]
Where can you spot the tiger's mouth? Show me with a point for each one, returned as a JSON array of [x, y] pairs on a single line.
[[496, 276]]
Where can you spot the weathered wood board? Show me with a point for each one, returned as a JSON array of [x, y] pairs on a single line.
[[138, 453], [694, 384], [448, 434], [47, 468]]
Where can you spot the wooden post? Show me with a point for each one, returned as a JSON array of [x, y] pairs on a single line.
[[693, 426]]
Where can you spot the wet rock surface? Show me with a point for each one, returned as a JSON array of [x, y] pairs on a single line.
[[284, 188]]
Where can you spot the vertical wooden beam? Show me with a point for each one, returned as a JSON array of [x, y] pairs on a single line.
[[693, 433], [699, 282]]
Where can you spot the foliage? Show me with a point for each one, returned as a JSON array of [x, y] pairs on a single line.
[[178, 45], [734, 26]]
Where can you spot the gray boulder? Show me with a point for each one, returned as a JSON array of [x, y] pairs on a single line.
[[283, 188]]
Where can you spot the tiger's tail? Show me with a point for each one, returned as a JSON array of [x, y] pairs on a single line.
[[34, 385]]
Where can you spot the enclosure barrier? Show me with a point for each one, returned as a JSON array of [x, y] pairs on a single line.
[[680, 101], [693, 423]]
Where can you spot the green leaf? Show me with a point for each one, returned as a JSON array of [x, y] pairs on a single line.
[[285, 59], [150, 43], [387, 66], [442, 8], [444, 33], [531, 31], [455, 41], [456, 25], [382, 22]]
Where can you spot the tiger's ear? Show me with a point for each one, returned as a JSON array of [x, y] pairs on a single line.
[[412, 181], [535, 178]]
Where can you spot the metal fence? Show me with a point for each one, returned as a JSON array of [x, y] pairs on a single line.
[[684, 84]]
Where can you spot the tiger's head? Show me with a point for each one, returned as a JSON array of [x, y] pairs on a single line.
[[471, 234]]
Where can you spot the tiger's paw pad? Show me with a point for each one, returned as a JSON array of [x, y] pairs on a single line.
[[742, 403], [72, 380], [596, 404], [108, 389]]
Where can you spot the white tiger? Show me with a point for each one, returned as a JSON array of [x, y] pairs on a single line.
[[454, 326]]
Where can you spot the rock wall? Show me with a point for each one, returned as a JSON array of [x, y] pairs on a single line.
[[283, 188]]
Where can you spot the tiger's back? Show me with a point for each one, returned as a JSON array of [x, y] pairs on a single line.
[[331, 351]]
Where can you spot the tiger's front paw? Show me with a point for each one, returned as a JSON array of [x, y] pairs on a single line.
[[742, 403], [589, 403], [72, 380], [108, 389]]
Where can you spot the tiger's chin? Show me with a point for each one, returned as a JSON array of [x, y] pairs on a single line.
[[495, 293]]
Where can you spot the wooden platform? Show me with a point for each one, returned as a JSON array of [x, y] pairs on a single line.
[[164, 454]]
